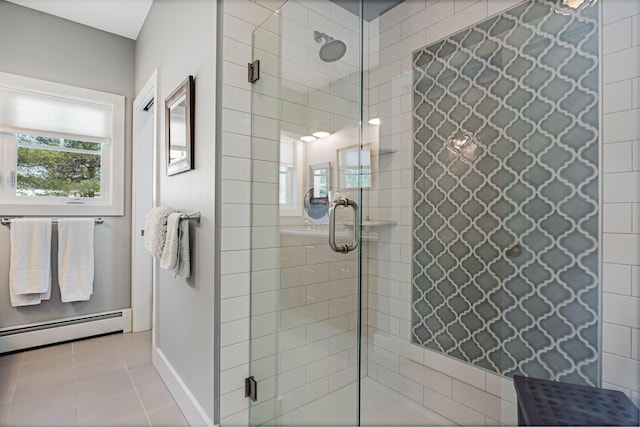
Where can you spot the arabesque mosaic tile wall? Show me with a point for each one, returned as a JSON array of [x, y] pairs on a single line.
[[506, 202]]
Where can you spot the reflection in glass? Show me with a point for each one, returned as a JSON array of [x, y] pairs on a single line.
[[179, 127], [178, 147], [354, 166]]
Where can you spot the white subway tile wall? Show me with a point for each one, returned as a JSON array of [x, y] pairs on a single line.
[[458, 391], [239, 20]]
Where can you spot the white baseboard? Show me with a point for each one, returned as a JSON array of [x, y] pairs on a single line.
[[193, 412], [44, 333]]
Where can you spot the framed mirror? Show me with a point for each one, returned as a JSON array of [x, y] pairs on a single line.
[[354, 166], [179, 126]]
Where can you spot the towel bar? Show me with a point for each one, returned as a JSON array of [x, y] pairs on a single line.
[[193, 217], [7, 221]]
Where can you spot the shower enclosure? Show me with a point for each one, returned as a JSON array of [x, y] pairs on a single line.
[[426, 207]]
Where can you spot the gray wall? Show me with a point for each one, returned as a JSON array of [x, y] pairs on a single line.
[[179, 39], [38, 45]]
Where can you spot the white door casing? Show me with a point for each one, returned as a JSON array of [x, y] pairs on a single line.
[[144, 187]]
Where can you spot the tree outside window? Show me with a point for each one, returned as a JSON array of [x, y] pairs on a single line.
[[49, 166]]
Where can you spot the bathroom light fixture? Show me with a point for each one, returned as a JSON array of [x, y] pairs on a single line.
[[576, 4], [375, 120], [308, 138], [321, 134]]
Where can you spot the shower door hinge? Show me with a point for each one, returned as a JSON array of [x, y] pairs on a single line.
[[251, 388], [254, 71]]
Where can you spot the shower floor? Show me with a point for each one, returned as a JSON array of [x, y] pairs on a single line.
[[380, 406]]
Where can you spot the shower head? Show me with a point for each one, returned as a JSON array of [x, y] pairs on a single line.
[[332, 49]]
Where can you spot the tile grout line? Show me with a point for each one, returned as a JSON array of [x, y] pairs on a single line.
[[135, 387]]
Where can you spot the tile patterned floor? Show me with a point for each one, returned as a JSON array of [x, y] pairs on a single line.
[[105, 381]]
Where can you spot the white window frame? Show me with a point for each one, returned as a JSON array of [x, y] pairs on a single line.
[[111, 202], [290, 177]]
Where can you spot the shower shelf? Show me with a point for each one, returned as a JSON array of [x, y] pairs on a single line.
[[385, 151], [378, 223], [374, 223], [324, 233], [371, 226]]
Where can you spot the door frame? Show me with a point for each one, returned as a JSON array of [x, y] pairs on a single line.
[[143, 294]]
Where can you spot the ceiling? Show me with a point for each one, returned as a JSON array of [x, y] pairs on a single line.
[[121, 17], [126, 17], [372, 9]]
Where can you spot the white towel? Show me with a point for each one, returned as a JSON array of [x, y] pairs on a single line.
[[175, 256], [30, 299], [155, 230], [75, 258], [30, 262]]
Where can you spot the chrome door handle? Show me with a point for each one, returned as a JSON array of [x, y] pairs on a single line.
[[344, 248]]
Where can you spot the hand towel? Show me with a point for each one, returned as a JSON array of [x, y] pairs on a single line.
[[30, 261], [75, 258], [30, 299], [155, 230], [183, 265], [175, 256]]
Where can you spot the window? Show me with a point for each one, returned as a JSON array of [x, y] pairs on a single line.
[[286, 184], [49, 166], [61, 148], [289, 177]]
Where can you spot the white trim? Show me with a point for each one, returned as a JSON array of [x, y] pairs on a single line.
[[193, 412], [45, 87], [126, 321], [155, 266], [142, 293], [62, 333]]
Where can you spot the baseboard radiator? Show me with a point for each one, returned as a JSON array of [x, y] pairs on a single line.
[[56, 331]]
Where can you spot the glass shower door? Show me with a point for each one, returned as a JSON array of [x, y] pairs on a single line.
[[304, 292]]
